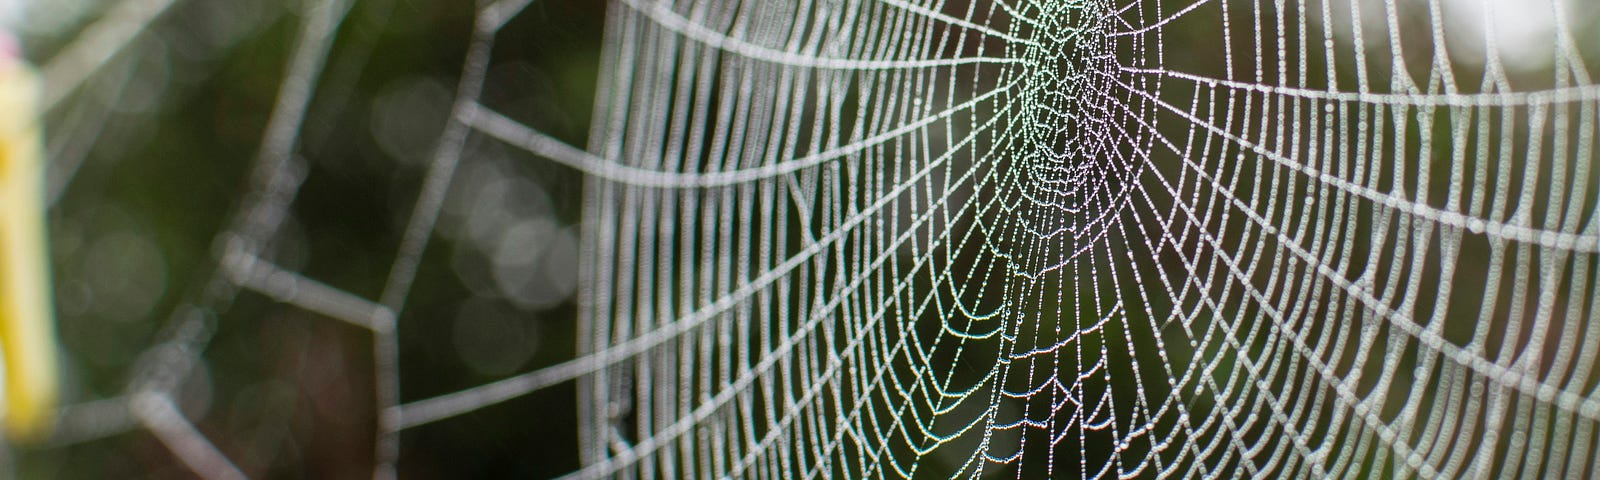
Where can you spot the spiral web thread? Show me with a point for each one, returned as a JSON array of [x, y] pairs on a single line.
[[890, 239]]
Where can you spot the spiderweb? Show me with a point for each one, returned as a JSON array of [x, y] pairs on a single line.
[[1076, 238]]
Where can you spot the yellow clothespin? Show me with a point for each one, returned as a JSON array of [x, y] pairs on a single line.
[[27, 324]]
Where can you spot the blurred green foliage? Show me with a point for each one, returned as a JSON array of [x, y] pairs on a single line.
[[165, 133]]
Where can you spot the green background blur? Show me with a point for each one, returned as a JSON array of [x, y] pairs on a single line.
[[149, 159]]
